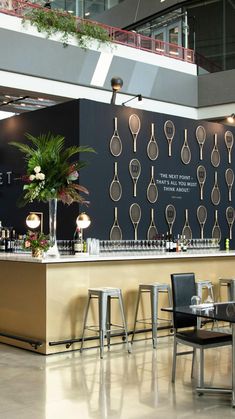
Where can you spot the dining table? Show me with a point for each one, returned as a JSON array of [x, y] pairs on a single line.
[[221, 312]]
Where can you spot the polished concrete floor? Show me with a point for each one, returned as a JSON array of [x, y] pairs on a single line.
[[135, 386]]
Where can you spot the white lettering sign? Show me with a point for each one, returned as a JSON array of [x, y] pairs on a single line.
[[177, 183], [5, 178]]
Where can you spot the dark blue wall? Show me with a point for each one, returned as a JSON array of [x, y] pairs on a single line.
[[97, 128], [92, 123]]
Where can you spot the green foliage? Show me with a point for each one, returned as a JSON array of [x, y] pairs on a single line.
[[52, 21], [50, 172], [88, 30]]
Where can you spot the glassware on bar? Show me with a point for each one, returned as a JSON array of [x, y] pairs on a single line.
[[158, 245]]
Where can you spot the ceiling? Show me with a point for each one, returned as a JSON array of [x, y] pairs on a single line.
[[16, 101]]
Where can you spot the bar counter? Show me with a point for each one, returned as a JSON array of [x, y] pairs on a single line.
[[42, 301]]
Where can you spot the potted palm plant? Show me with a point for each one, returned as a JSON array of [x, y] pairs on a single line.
[[51, 175]]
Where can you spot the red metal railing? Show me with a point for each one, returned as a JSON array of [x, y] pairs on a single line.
[[135, 40], [118, 36]]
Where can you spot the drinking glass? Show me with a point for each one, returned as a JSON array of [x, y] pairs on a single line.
[[195, 300]]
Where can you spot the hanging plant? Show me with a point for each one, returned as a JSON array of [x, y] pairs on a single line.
[[86, 31], [53, 21]]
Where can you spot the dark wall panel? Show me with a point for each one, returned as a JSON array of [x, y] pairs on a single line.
[[60, 119], [92, 123], [177, 182]]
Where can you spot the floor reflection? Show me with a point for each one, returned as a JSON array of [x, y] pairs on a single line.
[[122, 385]]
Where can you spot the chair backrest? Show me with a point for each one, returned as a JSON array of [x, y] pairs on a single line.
[[183, 288]]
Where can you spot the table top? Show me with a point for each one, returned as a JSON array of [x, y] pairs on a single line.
[[218, 311]]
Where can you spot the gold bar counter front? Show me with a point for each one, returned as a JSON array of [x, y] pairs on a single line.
[[45, 300]]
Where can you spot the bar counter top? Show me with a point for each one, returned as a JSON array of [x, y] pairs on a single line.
[[115, 256]]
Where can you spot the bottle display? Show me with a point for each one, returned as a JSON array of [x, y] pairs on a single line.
[[11, 242]]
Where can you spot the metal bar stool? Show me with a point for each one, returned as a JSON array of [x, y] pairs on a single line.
[[153, 290], [104, 297], [205, 284], [230, 284]]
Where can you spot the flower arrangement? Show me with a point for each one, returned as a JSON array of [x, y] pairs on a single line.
[[50, 171], [34, 241]]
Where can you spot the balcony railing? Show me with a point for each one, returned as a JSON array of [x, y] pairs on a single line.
[[119, 36]]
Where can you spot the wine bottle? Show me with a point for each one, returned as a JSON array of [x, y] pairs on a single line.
[[174, 244], [167, 242], [184, 244], [78, 245], [13, 240], [84, 246], [7, 240], [178, 247], [2, 241]]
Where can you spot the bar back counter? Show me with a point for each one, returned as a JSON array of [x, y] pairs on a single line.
[[42, 301]]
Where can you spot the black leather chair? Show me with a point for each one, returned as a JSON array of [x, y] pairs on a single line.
[[183, 288]]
